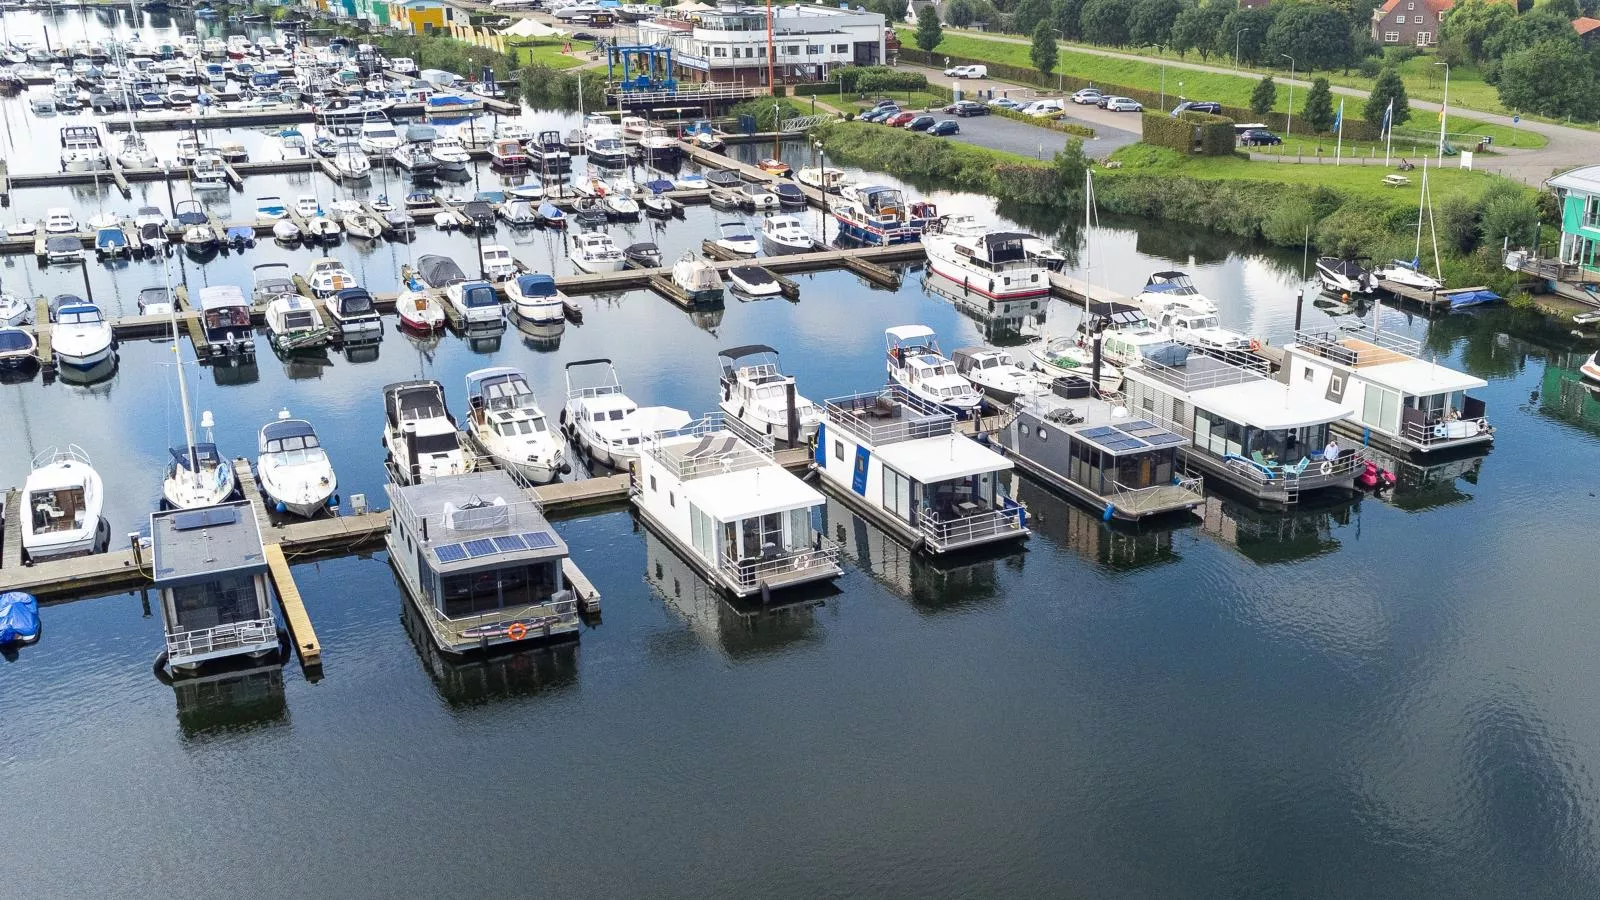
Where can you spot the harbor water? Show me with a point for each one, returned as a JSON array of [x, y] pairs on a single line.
[[1362, 697]]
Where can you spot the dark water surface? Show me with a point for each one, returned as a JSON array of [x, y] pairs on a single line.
[[1366, 698]]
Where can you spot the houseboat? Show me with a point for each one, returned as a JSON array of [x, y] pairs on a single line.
[[481, 564], [210, 567], [1391, 395], [898, 460], [757, 393], [985, 261], [1096, 452], [714, 492], [1244, 429]]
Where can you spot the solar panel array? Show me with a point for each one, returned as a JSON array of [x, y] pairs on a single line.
[[510, 543], [205, 518], [1150, 433], [1128, 436]]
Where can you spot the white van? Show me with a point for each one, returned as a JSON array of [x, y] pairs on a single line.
[[976, 72], [1044, 108]]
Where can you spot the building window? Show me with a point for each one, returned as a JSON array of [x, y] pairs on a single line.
[[1424, 38], [1399, 20], [813, 49], [838, 450], [1149, 404], [1391, 37], [792, 50], [841, 48], [719, 51], [749, 52], [1308, 374]]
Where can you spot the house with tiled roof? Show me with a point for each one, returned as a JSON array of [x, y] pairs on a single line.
[[1586, 28], [1410, 22]]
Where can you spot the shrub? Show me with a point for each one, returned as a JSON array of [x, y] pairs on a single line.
[[878, 79], [1369, 67], [1190, 132]]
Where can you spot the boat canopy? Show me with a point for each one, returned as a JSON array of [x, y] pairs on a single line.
[[1170, 283], [479, 294], [13, 339], [408, 400], [221, 296], [354, 302], [111, 237], [288, 434], [206, 453], [536, 285], [906, 334], [440, 271]]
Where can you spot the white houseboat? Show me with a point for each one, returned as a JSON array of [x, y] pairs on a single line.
[[713, 491], [481, 565], [211, 570], [1394, 398], [1244, 429], [898, 460]]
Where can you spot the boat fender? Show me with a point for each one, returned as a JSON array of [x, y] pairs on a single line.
[[1326, 468], [1107, 514], [333, 502], [1254, 345], [281, 508], [160, 670], [1483, 427]]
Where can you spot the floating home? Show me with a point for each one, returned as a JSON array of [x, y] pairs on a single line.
[[1242, 428], [1393, 397], [1098, 453], [715, 494], [211, 570], [480, 562], [898, 460]]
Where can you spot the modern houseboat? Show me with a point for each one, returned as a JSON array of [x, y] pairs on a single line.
[[1243, 428], [1095, 451], [481, 564], [898, 459], [714, 492], [988, 262], [211, 569], [1392, 396]]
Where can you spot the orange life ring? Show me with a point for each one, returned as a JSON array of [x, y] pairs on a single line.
[[517, 631], [1255, 344]]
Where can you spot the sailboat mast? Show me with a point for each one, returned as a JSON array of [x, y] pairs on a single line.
[[183, 386], [1422, 201]]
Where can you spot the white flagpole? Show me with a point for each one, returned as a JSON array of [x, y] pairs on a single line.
[[1338, 149], [1388, 140]]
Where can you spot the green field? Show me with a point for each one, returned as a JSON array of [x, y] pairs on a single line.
[[548, 52]]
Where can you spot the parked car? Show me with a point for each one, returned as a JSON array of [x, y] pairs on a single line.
[[945, 128], [886, 102], [967, 108], [1087, 96], [1259, 137], [1124, 104], [879, 114], [1045, 108], [921, 123], [899, 118], [954, 71], [1204, 106], [1104, 101], [1004, 103], [976, 72]]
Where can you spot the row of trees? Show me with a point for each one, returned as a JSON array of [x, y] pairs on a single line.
[[1534, 59], [1388, 93]]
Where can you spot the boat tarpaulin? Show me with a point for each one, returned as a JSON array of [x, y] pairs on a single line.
[[19, 617], [1473, 298]]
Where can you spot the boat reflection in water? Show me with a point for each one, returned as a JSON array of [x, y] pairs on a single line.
[[1432, 483], [738, 628], [541, 338], [495, 674], [232, 697], [1004, 323], [949, 581], [100, 375], [1566, 395], [1117, 546], [304, 364], [364, 351], [1267, 537], [238, 371], [485, 338]]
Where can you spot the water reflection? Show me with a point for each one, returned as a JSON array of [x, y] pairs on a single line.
[[1268, 538], [949, 583], [482, 679], [231, 700], [1565, 395], [1070, 526], [1004, 323]]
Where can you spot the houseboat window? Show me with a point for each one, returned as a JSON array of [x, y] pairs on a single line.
[[1436, 406], [672, 499], [960, 497], [222, 600], [838, 450], [1381, 408], [477, 592], [705, 532], [652, 484], [763, 535], [1308, 375], [896, 493]]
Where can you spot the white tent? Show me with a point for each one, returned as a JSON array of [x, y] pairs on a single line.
[[530, 28]]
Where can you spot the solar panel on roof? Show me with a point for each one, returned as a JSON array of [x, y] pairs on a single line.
[[1163, 439], [509, 543], [479, 547], [1120, 444], [450, 553], [538, 540], [1101, 433], [204, 518]]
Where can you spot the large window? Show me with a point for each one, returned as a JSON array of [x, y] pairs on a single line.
[[474, 593], [1381, 408], [705, 532], [763, 535], [222, 600], [897, 493]]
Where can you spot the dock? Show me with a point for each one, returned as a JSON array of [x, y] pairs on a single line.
[[1433, 301], [42, 328], [191, 322], [11, 553], [295, 617]]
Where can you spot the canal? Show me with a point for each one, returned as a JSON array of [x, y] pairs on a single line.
[[1369, 697]]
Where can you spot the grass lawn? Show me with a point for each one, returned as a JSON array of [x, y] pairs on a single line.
[[913, 100], [548, 52]]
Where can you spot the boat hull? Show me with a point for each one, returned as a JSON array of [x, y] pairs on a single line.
[[982, 284]]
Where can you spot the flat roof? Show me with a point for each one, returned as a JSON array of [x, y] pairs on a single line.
[[190, 543], [750, 492], [1268, 405], [1420, 377], [1584, 179], [476, 519], [935, 459]]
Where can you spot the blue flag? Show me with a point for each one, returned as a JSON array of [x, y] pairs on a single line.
[[1388, 118], [1338, 118]]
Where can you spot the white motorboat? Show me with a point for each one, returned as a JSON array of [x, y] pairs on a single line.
[[1591, 367], [351, 164], [1127, 337], [378, 138], [295, 472], [620, 202], [698, 279], [755, 391], [658, 146], [823, 178], [291, 145], [604, 423], [916, 364], [518, 213], [602, 141], [594, 251], [658, 204], [415, 158], [1177, 309], [225, 315], [450, 154], [59, 220], [512, 130], [328, 276], [535, 299], [1343, 276], [321, 227], [419, 310], [80, 337], [22, 228], [691, 181], [18, 347], [1407, 274], [735, 237], [419, 435], [293, 323], [362, 225], [286, 231], [81, 149], [785, 234], [985, 261], [61, 503], [754, 281], [1165, 289], [356, 316], [1062, 358], [505, 419], [188, 150], [307, 206], [995, 374], [270, 210], [155, 301], [209, 172], [497, 263], [14, 310], [1044, 253]]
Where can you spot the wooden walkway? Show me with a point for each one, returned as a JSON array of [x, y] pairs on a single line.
[[11, 553]]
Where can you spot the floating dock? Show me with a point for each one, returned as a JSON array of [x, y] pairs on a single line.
[[1434, 301]]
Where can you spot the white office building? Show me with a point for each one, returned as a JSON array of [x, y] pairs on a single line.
[[728, 44]]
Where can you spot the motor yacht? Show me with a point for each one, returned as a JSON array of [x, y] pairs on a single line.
[[917, 365], [356, 316], [61, 502], [80, 336], [293, 324], [209, 172], [823, 178], [378, 138], [449, 154], [295, 472], [986, 261], [421, 438], [755, 390], [535, 299], [59, 220], [785, 234], [994, 373], [497, 263], [504, 418], [328, 276], [603, 421], [594, 251]]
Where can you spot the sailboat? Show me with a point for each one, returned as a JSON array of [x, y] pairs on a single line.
[[1410, 274], [197, 474], [1062, 356]]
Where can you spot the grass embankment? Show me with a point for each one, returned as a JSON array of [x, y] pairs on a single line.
[[549, 52], [1423, 82]]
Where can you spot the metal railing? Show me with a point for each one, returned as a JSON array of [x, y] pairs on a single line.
[[960, 531], [184, 645], [1216, 368], [887, 416], [1290, 475], [1381, 346], [562, 615], [1142, 500], [1438, 433], [521, 511], [785, 567], [743, 447]]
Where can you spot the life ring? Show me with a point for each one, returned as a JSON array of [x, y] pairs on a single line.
[[517, 631], [1254, 345], [1483, 427], [1326, 468]]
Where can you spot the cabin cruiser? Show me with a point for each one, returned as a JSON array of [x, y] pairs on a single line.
[[549, 153], [225, 315], [59, 220], [994, 373], [785, 234], [64, 249], [293, 323], [151, 225], [328, 276], [698, 279], [80, 337], [291, 145], [295, 472], [620, 203], [449, 154], [496, 263], [351, 164], [81, 149], [209, 172], [511, 129], [594, 252], [353, 311], [874, 214], [1407, 274], [753, 281], [735, 237], [916, 364], [505, 419], [602, 141], [378, 138], [1200, 330], [61, 503], [507, 154], [658, 146], [590, 212], [475, 302], [1163, 290], [18, 347], [987, 262], [823, 178], [755, 391], [419, 434], [1126, 336], [535, 299], [642, 255], [1062, 357], [604, 423], [1343, 276], [194, 226]]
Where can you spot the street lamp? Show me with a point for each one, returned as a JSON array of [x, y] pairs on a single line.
[[1444, 109], [822, 176], [1239, 34], [1289, 128]]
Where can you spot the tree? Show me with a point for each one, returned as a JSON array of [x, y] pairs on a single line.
[[1244, 30], [1264, 96], [1389, 88], [1464, 32], [1566, 9], [1105, 21], [1511, 216], [1065, 15], [1150, 22], [1526, 30], [1318, 37], [1029, 14], [959, 12], [1552, 78], [929, 34], [1043, 52], [1318, 112], [1196, 27]]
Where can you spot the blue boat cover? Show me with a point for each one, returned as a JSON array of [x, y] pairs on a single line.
[[1472, 298], [111, 237], [19, 617], [287, 428], [536, 285], [549, 210]]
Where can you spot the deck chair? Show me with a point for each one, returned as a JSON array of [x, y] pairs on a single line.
[[699, 449], [1261, 459], [1298, 467]]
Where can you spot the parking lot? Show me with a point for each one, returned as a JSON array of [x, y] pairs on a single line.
[[1000, 133]]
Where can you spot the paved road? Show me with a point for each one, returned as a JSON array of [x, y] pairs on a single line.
[[1000, 133]]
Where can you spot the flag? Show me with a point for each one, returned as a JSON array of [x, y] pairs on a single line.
[[1388, 118], [1338, 119]]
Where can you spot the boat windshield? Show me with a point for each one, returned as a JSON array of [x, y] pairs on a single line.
[[535, 425], [444, 442], [296, 450], [79, 317], [297, 320]]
